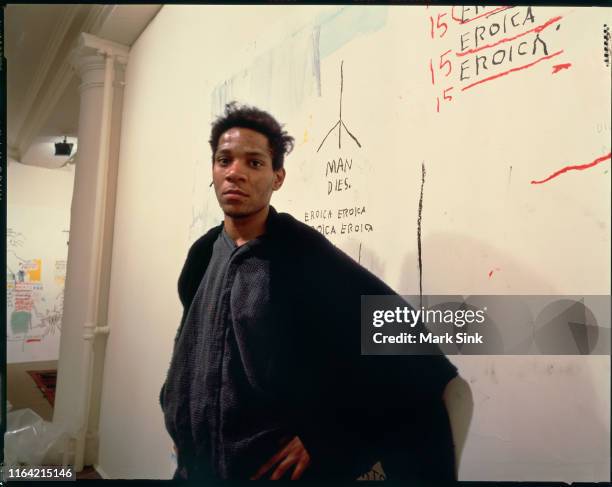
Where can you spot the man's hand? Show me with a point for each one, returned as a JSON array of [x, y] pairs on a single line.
[[292, 454]]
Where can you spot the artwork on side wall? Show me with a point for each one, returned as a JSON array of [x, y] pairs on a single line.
[[37, 253]]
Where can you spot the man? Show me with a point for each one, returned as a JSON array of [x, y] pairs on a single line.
[[267, 379]]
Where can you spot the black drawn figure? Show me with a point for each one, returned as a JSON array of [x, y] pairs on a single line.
[[419, 247], [607, 45], [340, 123]]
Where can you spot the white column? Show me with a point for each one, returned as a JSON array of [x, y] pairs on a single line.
[[100, 66]]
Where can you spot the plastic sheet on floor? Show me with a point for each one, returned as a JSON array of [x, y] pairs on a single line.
[[29, 440]]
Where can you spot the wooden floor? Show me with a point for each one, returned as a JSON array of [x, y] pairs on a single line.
[[88, 473], [23, 393]]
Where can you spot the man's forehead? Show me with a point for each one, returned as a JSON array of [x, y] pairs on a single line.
[[247, 140], [249, 151], [243, 133]]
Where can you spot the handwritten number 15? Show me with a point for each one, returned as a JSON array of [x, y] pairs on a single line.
[[443, 64], [438, 25]]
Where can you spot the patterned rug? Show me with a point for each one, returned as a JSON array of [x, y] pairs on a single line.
[[45, 380]]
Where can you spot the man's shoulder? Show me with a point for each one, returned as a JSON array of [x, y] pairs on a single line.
[[288, 226], [207, 239], [320, 256], [205, 242], [298, 238], [197, 260]]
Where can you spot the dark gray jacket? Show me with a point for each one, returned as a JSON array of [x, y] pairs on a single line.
[[349, 410]]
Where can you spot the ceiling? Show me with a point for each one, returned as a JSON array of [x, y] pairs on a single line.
[[42, 88]]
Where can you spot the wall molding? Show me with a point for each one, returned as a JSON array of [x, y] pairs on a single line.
[[42, 72], [39, 115], [49, 85]]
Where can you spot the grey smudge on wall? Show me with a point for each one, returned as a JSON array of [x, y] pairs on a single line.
[[490, 371], [494, 375]]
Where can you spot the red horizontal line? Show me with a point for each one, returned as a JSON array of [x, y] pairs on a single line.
[[484, 14], [580, 167], [518, 68], [539, 28], [32, 340], [559, 67]]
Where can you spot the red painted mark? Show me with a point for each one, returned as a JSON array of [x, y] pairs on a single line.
[[493, 270], [559, 67], [581, 167], [484, 14], [499, 75], [30, 340], [432, 72], [539, 28]]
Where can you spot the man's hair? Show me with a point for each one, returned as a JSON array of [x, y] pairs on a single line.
[[253, 118]]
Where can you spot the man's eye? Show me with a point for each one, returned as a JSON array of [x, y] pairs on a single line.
[[223, 161], [256, 163]]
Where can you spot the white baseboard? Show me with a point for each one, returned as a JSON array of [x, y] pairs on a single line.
[[102, 473]]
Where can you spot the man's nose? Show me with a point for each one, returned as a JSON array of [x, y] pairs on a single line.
[[235, 170]]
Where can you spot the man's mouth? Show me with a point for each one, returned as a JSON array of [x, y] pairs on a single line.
[[234, 192]]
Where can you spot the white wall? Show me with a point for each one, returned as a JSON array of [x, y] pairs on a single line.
[[529, 423], [38, 220]]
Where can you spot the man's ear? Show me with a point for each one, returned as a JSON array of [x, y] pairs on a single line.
[[279, 178]]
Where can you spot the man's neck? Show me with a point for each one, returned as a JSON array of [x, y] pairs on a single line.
[[241, 230]]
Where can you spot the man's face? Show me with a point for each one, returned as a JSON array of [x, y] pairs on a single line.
[[242, 172]]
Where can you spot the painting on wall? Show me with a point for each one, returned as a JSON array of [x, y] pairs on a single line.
[[37, 250]]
